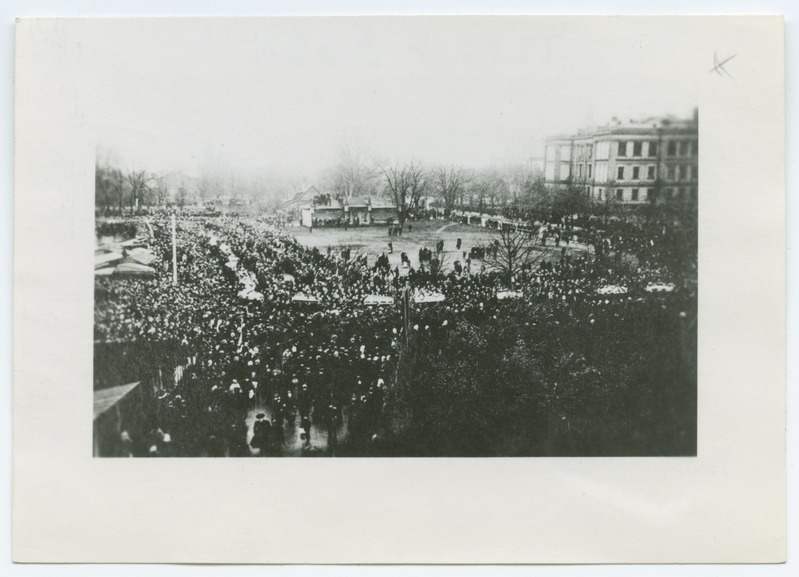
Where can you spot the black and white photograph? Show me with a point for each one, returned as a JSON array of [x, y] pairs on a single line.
[[469, 263], [398, 252]]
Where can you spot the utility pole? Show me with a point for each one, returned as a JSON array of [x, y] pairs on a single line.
[[174, 252], [406, 312]]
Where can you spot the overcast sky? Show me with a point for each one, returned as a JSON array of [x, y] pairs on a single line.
[[286, 94]]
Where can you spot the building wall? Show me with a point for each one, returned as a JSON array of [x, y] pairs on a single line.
[[325, 214], [306, 216], [627, 163]]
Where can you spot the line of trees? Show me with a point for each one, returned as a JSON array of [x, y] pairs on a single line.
[[120, 191], [411, 186]]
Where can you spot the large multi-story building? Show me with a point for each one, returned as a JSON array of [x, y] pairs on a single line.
[[629, 163]]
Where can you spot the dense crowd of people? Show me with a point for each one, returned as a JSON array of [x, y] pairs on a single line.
[[307, 367]]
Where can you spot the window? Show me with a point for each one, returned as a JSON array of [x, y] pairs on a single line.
[[653, 148], [600, 194], [695, 171], [589, 170], [636, 172], [693, 193], [648, 194], [671, 173], [622, 149], [579, 171], [672, 148], [635, 194], [680, 173], [619, 194], [650, 173], [637, 148], [620, 173], [685, 148]]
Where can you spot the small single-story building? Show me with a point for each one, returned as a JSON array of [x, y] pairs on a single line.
[[352, 211]]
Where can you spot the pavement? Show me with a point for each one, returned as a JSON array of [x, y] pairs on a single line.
[[373, 241]]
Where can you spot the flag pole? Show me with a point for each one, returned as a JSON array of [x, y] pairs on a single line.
[[174, 252]]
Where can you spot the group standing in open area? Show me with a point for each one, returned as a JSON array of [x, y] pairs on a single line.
[[280, 353]]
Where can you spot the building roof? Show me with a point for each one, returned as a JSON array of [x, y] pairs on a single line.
[[650, 125], [104, 399], [305, 195], [357, 201], [360, 202], [363, 201]]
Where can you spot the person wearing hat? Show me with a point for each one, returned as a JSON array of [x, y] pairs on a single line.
[[126, 444], [167, 447], [333, 419], [305, 424], [304, 401], [215, 447], [260, 434]]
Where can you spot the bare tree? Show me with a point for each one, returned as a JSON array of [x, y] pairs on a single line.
[[437, 264], [180, 198], [514, 249], [489, 185], [451, 183], [405, 185], [139, 181], [606, 204], [522, 183], [109, 186], [161, 190], [352, 175], [207, 187]]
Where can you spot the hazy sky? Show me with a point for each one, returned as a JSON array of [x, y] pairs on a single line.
[[286, 94]]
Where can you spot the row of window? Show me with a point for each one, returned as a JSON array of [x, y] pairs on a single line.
[[673, 148], [641, 195], [675, 172], [637, 148], [622, 171], [624, 149]]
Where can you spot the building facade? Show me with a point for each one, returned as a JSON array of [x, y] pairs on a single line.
[[353, 211], [629, 163]]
